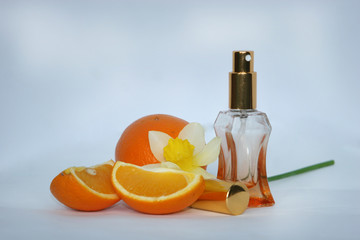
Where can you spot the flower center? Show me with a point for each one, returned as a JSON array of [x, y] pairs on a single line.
[[179, 152]]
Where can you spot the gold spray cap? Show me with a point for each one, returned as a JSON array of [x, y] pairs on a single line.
[[242, 86], [223, 197]]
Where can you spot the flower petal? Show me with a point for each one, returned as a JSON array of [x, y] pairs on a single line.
[[209, 154], [152, 166], [158, 140], [161, 165], [170, 165], [195, 134], [204, 173]]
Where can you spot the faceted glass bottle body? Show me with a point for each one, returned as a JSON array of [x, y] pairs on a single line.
[[244, 138]]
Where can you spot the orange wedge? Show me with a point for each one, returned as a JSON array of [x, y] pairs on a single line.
[[156, 191], [85, 188]]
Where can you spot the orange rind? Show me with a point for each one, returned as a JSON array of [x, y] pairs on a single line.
[[156, 191], [85, 188]]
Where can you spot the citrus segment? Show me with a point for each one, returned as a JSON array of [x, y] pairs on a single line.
[[85, 189], [133, 145], [137, 182], [156, 191]]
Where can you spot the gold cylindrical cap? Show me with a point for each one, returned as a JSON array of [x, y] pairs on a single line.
[[223, 197], [242, 81]]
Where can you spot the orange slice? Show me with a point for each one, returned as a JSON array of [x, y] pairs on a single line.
[[85, 188], [156, 191]]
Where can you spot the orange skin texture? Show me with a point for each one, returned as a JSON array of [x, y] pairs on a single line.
[[67, 190], [168, 206], [133, 145]]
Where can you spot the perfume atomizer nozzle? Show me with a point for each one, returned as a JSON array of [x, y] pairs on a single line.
[[242, 85], [243, 61]]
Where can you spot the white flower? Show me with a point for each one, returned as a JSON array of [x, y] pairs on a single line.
[[187, 152]]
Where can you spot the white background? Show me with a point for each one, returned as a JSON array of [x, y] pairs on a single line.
[[75, 74]]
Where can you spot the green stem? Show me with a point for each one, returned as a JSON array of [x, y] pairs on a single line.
[[302, 170]]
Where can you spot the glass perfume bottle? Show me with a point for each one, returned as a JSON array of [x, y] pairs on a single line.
[[245, 133]]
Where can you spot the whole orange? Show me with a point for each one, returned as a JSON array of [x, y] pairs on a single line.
[[133, 145]]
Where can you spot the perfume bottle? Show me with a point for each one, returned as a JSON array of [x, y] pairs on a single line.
[[245, 133]]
